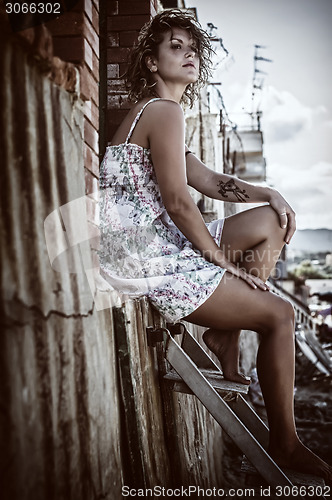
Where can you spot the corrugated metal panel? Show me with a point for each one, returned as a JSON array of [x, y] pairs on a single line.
[[60, 419], [43, 152]]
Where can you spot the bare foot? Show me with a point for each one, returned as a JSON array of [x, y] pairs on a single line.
[[225, 345], [301, 459]]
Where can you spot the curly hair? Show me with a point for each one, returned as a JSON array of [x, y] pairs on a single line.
[[139, 79]]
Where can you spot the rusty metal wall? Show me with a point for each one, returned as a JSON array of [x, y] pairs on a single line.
[[60, 422]]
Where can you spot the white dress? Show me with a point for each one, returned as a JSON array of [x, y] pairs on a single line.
[[142, 251]]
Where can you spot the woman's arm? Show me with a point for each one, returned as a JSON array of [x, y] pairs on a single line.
[[166, 138], [229, 188]]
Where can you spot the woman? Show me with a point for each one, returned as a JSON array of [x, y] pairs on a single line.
[[155, 242]]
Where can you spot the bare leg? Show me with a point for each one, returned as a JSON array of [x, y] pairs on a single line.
[[273, 318], [253, 240]]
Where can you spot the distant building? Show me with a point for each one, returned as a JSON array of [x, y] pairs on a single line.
[[328, 259]]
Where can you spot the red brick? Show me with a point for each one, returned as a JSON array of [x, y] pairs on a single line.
[[96, 4], [91, 160], [126, 23], [128, 38], [70, 23], [88, 9], [88, 55], [91, 136], [91, 60], [86, 6], [91, 36], [91, 111], [118, 101], [116, 85], [91, 184], [112, 39], [117, 54], [95, 19], [112, 71], [95, 66], [112, 7], [137, 7], [89, 86]]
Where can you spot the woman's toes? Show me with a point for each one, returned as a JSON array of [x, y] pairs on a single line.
[[238, 378]]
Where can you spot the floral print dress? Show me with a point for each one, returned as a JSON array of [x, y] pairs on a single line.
[[142, 251]]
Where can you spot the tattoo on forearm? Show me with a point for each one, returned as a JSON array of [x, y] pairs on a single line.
[[231, 187]]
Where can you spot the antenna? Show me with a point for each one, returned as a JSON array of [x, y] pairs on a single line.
[[215, 38], [257, 82]]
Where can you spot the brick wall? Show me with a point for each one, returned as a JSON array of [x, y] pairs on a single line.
[[76, 39], [124, 21]]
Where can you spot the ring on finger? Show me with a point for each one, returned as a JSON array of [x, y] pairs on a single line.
[[283, 213]]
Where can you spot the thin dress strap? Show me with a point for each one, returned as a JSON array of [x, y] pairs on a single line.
[[138, 116]]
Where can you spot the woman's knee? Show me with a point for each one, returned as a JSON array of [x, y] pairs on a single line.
[[247, 229], [281, 317]]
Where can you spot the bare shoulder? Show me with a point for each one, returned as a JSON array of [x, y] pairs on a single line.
[[164, 120], [165, 109]]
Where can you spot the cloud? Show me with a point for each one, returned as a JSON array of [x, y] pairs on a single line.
[[308, 191], [285, 116], [296, 141]]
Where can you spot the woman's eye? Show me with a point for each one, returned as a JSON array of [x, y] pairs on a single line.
[[176, 46]]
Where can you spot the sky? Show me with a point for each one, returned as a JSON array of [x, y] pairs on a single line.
[[296, 99]]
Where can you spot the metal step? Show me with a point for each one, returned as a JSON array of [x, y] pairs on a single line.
[[214, 377]]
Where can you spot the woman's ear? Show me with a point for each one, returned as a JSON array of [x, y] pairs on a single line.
[[151, 64]]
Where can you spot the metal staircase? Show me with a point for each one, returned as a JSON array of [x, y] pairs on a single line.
[[191, 370]]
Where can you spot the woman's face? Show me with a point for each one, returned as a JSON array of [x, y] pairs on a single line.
[[177, 60]]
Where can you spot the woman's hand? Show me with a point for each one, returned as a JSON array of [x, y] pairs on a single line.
[[250, 279], [285, 213]]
